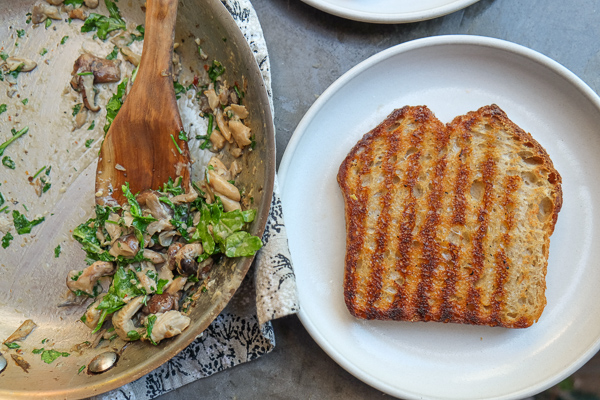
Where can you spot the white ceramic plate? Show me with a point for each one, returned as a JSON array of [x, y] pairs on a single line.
[[451, 75], [389, 11]]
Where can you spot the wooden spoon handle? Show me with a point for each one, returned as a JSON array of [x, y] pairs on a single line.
[[156, 64]]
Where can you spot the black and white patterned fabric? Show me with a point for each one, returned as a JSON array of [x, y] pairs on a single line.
[[243, 331]]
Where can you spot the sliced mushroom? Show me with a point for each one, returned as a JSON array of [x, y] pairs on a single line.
[[22, 331], [234, 169], [149, 199], [185, 198], [166, 238], [89, 277], [223, 126], [171, 253], [91, 3], [217, 140], [223, 94], [42, 11], [146, 274], [160, 303], [169, 324], [185, 259], [241, 133], [159, 226], [81, 118], [92, 314], [240, 111], [123, 319], [89, 69], [220, 185], [130, 56], [165, 274], [213, 99], [12, 63], [55, 2], [177, 285], [78, 13], [228, 204], [154, 256], [126, 246], [220, 168], [114, 229]]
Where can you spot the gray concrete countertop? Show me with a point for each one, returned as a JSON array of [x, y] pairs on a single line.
[[309, 50]]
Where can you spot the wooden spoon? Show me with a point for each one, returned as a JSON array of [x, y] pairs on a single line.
[[142, 146]]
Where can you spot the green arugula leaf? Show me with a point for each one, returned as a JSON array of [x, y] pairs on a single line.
[[140, 223], [22, 224], [114, 104], [48, 356], [149, 327], [86, 235], [3, 108], [6, 240], [242, 244], [12, 345], [113, 54], [102, 24]]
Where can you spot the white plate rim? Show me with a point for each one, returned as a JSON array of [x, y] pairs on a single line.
[[472, 40], [390, 17]]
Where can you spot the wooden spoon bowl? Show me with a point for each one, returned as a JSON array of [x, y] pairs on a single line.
[[142, 146]]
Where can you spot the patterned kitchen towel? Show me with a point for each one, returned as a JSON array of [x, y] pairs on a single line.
[[243, 331]]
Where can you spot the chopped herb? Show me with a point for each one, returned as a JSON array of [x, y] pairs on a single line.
[[85, 73], [8, 162], [15, 136], [114, 104], [28, 20], [74, 3], [39, 172], [12, 345], [88, 143], [113, 54], [48, 23], [44, 51], [139, 221], [183, 136], [22, 224], [92, 125], [48, 356], [206, 138], [4, 209], [216, 69], [46, 187], [64, 39], [3, 55], [76, 109], [44, 340], [25, 101], [76, 276], [3, 108], [37, 351], [48, 170], [160, 285], [2, 199], [176, 145], [81, 369], [173, 187], [204, 289], [149, 327], [20, 32], [57, 251], [1, 76], [140, 29], [133, 335], [179, 88], [104, 24]]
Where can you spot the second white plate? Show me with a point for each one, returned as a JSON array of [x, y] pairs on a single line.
[[451, 75], [389, 11]]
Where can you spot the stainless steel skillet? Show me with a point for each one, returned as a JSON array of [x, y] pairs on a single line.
[[31, 277]]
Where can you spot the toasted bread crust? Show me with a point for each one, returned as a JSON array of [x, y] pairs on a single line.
[[439, 223]]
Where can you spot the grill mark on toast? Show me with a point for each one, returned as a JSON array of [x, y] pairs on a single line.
[[448, 311], [357, 212], [430, 248], [472, 313], [381, 232], [511, 185]]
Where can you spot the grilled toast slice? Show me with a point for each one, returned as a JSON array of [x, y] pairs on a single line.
[[448, 223]]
